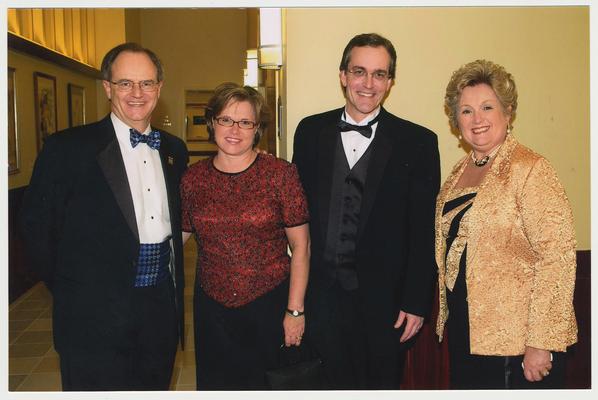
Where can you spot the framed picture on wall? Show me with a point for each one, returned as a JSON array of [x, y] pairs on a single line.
[[195, 121], [46, 112], [196, 129], [13, 141], [76, 105]]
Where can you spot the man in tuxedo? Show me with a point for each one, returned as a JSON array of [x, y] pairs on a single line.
[[371, 181], [101, 219]]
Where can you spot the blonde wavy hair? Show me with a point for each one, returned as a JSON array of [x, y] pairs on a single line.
[[475, 73]]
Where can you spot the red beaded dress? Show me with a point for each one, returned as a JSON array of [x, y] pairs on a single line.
[[241, 289]]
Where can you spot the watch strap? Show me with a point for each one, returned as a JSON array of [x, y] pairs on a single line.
[[295, 313]]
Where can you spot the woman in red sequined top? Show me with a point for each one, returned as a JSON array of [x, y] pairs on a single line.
[[244, 209]]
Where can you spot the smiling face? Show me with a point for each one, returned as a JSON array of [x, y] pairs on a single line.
[[482, 120], [232, 140], [364, 95], [134, 108]]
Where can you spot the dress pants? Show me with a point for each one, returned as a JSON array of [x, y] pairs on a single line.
[[145, 365], [469, 371], [357, 352], [234, 347]]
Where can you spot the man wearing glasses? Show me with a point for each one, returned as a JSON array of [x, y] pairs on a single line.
[[371, 181], [101, 218]]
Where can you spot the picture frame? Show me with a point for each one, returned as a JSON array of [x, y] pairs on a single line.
[[46, 110], [76, 99], [13, 139], [195, 122]]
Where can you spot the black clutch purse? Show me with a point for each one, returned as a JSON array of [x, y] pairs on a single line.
[[299, 368]]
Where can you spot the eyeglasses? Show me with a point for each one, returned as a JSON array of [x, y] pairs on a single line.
[[125, 85], [228, 122], [360, 73]]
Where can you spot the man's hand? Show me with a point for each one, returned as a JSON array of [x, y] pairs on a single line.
[[413, 324]]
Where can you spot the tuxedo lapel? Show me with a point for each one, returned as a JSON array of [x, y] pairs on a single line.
[[382, 147], [327, 141], [112, 165]]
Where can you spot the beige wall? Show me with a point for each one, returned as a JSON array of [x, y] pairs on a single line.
[[133, 25], [545, 48], [110, 32], [200, 48], [25, 66]]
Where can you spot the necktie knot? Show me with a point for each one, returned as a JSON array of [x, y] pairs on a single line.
[[152, 139], [365, 130]]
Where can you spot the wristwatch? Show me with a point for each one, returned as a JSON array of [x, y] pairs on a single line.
[[295, 313]]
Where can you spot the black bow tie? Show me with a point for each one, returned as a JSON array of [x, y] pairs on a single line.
[[152, 139], [365, 130]]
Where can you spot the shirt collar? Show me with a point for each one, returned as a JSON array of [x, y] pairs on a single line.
[[347, 118]]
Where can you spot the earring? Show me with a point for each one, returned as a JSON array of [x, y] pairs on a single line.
[[508, 129]]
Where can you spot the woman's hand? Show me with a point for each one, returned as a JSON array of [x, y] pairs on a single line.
[[293, 329], [536, 364]]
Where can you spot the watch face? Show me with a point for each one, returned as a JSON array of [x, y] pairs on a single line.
[[295, 313]]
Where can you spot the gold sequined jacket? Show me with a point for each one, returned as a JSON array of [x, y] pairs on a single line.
[[521, 259]]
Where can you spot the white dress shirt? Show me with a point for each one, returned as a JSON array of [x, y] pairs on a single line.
[[354, 143], [146, 181]]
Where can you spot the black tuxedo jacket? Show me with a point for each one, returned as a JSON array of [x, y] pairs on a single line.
[[395, 241], [79, 225]]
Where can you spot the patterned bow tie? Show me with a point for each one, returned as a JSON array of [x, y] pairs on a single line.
[[152, 139], [365, 130]]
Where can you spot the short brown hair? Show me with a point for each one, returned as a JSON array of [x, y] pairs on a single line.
[[230, 92], [370, 40], [475, 73], [111, 56]]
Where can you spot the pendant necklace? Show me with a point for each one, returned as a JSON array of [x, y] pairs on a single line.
[[484, 160]]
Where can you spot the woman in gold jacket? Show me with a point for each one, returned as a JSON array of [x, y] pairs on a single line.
[[505, 246]]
